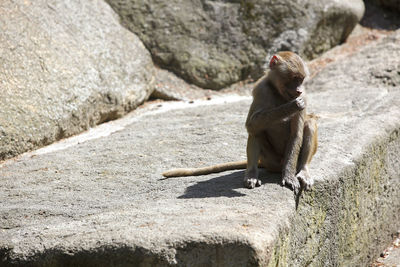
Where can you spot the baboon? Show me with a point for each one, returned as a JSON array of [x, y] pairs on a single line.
[[281, 136]]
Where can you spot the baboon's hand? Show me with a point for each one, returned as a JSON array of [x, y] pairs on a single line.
[[300, 103], [292, 182]]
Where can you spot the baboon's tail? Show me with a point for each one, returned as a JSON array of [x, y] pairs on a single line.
[[235, 165]]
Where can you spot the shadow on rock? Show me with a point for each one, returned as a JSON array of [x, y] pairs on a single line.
[[380, 17], [226, 185]]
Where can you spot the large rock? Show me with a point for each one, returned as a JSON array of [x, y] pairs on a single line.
[[216, 43], [104, 202], [65, 66]]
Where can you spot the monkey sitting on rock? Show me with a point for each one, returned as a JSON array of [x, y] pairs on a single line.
[[282, 137]]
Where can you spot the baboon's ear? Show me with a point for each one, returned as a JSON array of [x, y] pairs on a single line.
[[274, 60]]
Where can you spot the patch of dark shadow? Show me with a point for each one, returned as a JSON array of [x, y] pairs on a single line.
[[61, 133], [226, 185], [379, 17], [110, 99], [109, 116], [388, 77], [220, 253], [5, 254], [156, 94], [100, 256]]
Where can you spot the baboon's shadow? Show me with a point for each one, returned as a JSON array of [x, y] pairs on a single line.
[[227, 185]]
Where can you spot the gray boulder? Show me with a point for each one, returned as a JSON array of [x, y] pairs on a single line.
[[65, 66], [216, 43]]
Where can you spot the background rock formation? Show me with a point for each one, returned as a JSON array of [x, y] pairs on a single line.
[[65, 66], [216, 43]]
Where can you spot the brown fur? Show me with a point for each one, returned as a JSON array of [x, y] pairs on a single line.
[[281, 135]]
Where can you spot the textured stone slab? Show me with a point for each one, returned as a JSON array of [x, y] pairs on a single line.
[[104, 202]]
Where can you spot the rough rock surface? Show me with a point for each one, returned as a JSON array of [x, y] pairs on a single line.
[[103, 202], [65, 66], [216, 43], [170, 87], [390, 257]]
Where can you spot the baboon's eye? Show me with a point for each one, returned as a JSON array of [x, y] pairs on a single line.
[[298, 80]]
